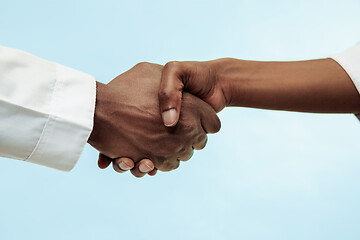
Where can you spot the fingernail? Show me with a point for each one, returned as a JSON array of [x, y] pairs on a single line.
[[124, 166], [145, 168], [169, 117]]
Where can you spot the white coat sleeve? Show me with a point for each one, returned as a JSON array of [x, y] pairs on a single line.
[[350, 62], [46, 110]]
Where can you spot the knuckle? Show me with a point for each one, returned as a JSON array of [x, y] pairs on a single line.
[[200, 147], [168, 96], [164, 94], [184, 150], [143, 64], [168, 164], [176, 165], [200, 142], [171, 166], [187, 156], [172, 65]]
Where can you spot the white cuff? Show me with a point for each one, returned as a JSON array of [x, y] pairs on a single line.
[[70, 121], [350, 61]]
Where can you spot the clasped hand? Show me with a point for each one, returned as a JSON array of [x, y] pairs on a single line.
[[129, 131]]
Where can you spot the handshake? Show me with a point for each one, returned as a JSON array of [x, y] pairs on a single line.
[[152, 117], [137, 122], [144, 122]]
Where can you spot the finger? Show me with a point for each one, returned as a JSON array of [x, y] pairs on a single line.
[[201, 143], [169, 164], [142, 168], [209, 119], [170, 93], [123, 164], [104, 161], [186, 155], [153, 172]]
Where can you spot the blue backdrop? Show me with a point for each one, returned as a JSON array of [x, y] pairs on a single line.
[[266, 175]]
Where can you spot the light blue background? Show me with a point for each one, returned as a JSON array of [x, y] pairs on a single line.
[[266, 175]]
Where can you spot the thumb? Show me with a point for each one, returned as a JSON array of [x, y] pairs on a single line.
[[104, 161], [170, 93]]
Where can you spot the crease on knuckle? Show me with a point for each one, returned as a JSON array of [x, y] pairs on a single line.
[[171, 65]]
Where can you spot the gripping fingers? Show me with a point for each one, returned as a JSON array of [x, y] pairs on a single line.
[[104, 161], [153, 172], [209, 120], [201, 143], [142, 168], [186, 155], [123, 164]]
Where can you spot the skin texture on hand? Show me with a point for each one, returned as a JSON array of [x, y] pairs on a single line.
[[317, 86], [199, 78], [128, 122]]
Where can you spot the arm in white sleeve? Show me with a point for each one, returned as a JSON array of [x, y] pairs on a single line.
[[46, 110]]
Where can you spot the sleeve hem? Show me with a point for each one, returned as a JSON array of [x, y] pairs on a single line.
[[350, 62], [70, 121]]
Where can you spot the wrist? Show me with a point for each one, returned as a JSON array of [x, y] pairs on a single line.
[[100, 93], [232, 78]]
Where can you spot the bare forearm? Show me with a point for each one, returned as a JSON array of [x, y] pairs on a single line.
[[306, 86]]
